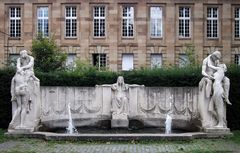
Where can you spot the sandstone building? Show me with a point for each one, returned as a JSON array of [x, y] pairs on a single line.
[[123, 34]]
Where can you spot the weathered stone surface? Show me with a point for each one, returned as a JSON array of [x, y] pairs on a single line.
[[25, 91], [117, 136], [213, 93], [217, 130], [90, 106], [119, 123]]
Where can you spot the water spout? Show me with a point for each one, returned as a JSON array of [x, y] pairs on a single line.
[[168, 124], [71, 128]]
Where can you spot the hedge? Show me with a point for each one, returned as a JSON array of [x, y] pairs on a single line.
[[174, 77]]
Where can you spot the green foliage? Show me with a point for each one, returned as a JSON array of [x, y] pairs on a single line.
[[171, 76], [236, 137], [2, 137], [48, 56], [191, 54], [5, 97], [233, 115]]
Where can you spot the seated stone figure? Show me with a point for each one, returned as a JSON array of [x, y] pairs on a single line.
[[20, 94], [25, 91], [205, 97], [218, 97], [120, 98]]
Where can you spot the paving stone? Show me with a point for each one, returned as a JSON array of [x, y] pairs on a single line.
[[48, 147]]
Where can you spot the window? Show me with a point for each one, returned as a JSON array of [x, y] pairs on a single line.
[[42, 21], [127, 62], [237, 22], [127, 21], [70, 62], [156, 60], [183, 60], [12, 61], [156, 21], [184, 22], [15, 21], [237, 59], [212, 22], [71, 21], [99, 60], [99, 21]]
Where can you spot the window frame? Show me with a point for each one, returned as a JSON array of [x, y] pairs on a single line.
[[161, 62], [184, 18], [100, 65], [72, 65], [236, 19], [213, 19], [71, 18], [180, 65], [123, 54], [99, 18], [43, 18], [128, 18], [156, 18], [15, 18], [237, 59], [12, 59]]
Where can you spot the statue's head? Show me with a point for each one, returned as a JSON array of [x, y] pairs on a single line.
[[23, 54], [216, 55], [120, 80]]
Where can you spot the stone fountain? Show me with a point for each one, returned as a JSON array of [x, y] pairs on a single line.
[[201, 112]]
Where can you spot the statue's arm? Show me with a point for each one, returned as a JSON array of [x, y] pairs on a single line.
[[126, 86], [12, 89], [114, 87], [18, 64], [204, 67], [30, 64], [212, 66]]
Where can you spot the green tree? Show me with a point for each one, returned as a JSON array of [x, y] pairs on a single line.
[[48, 56], [191, 54]]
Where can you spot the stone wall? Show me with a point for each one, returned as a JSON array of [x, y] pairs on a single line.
[[90, 106]]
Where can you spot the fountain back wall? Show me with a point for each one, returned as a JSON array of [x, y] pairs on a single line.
[[91, 106]]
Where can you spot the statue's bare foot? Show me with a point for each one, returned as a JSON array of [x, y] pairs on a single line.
[[228, 102], [219, 126]]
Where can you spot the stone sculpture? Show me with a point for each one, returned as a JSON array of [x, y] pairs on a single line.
[[25, 91], [213, 92], [120, 106]]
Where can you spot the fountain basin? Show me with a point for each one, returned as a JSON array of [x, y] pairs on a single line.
[[119, 137]]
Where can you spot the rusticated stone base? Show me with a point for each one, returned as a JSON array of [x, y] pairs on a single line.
[[119, 121], [21, 130], [217, 130]]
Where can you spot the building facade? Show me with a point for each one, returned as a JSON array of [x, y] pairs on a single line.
[[123, 34]]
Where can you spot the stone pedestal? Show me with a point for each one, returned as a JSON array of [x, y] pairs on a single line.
[[119, 121], [20, 130], [217, 130]]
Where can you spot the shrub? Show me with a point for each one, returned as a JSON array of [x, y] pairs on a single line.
[[48, 57], [233, 115], [5, 97]]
